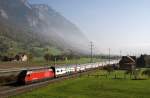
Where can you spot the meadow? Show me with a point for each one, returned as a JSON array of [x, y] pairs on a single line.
[[99, 84]]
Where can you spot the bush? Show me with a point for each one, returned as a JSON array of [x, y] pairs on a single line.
[[109, 69], [146, 72]]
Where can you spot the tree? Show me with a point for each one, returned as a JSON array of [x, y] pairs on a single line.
[[30, 57], [137, 73], [47, 57], [130, 70]]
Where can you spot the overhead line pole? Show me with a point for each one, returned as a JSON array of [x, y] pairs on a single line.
[[91, 47], [120, 54], [109, 56]]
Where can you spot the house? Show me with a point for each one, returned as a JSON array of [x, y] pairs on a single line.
[[143, 61], [127, 62], [21, 57]]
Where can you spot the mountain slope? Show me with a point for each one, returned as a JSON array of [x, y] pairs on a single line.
[[31, 25]]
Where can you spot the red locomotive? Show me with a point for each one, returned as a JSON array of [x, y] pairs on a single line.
[[35, 75]]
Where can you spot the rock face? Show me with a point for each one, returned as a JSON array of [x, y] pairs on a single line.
[[43, 23]]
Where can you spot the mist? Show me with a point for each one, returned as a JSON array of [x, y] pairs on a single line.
[[59, 30], [46, 25]]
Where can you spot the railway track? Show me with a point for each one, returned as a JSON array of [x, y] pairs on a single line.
[[9, 91]]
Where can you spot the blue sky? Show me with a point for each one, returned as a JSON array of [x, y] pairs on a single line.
[[117, 24]]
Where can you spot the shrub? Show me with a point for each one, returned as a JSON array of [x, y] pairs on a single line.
[[146, 72], [109, 69]]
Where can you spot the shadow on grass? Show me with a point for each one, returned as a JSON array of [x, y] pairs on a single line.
[[118, 78], [140, 79]]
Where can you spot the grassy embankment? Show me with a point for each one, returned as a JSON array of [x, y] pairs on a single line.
[[94, 87], [42, 62]]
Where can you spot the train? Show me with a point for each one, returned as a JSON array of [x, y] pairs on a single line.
[[28, 76]]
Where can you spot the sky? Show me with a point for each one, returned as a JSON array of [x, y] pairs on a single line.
[[121, 25]]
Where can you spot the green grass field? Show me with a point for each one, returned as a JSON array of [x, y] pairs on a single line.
[[94, 87]]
